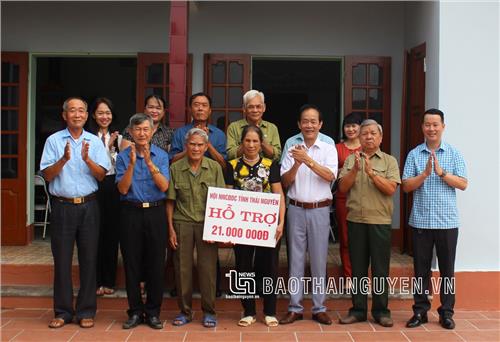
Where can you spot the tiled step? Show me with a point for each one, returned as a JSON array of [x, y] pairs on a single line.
[[46, 291]]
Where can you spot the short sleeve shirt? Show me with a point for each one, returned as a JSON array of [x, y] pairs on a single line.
[[309, 186], [365, 203], [216, 137], [434, 202], [269, 130], [143, 187], [190, 190], [75, 178], [258, 177]]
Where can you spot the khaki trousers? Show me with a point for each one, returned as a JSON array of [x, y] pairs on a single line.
[[189, 235]]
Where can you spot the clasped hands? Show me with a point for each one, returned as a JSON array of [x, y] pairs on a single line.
[[429, 166]]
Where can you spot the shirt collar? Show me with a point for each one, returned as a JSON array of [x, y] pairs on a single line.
[[443, 147], [186, 167], [191, 125], [378, 153], [300, 137], [262, 123], [67, 134]]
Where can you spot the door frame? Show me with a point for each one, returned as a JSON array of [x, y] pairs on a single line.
[[22, 233], [409, 94], [308, 58]]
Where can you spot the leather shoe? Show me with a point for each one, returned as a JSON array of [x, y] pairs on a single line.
[[385, 321], [132, 322], [291, 317], [417, 320], [154, 322], [350, 320], [447, 322], [322, 317]]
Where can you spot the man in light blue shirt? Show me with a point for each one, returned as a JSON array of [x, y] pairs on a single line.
[[73, 160], [433, 170]]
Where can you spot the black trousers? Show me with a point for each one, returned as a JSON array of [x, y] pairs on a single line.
[[445, 241], [107, 255], [370, 244], [264, 262], [143, 239], [70, 223]]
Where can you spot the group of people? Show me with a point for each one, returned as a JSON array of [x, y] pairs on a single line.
[[153, 181]]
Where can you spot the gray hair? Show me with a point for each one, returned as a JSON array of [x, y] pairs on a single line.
[[66, 102], [251, 94], [138, 119], [369, 122], [196, 131]]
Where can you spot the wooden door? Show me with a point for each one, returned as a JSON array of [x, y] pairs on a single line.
[[14, 148], [367, 90], [411, 132], [152, 78], [227, 79]]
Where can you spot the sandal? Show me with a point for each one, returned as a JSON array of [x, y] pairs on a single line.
[[209, 321], [247, 321], [100, 291], [108, 290], [181, 320], [271, 321], [57, 323], [87, 322]]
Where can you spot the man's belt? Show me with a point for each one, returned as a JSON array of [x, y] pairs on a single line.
[[144, 204], [76, 200], [313, 205]]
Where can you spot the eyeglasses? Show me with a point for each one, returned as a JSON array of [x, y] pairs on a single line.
[[252, 107], [140, 130], [77, 110]]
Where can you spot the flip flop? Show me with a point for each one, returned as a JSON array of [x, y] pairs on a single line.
[[100, 291], [86, 323], [180, 320], [57, 323], [247, 321], [271, 321], [209, 321], [108, 290]]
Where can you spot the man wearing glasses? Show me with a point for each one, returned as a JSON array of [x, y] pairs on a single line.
[[254, 108]]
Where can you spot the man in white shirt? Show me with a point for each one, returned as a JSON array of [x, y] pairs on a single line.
[[307, 171]]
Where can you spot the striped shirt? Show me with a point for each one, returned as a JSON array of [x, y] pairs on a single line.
[[434, 202]]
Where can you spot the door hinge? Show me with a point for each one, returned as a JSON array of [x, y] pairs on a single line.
[[425, 64]]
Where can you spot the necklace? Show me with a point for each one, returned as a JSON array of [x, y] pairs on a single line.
[[251, 160]]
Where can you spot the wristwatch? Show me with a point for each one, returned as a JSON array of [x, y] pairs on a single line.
[[311, 164], [155, 170], [443, 174]]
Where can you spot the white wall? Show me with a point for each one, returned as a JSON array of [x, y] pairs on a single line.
[[422, 26], [469, 96], [85, 27]]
